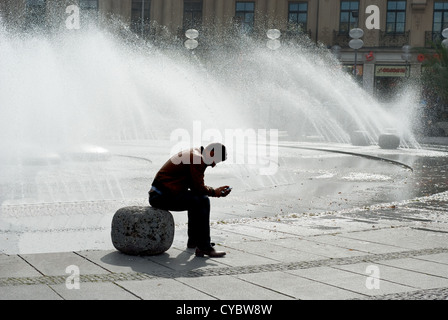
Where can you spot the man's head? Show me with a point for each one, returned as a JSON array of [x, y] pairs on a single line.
[[214, 153]]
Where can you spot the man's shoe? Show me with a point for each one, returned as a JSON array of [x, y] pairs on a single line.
[[211, 252]]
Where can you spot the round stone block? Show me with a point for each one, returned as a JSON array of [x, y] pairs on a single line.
[[389, 141], [142, 230], [359, 138]]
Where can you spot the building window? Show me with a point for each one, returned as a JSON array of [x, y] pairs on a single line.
[[89, 9], [89, 5], [440, 21], [140, 21], [297, 17], [396, 17], [35, 13], [245, 15], [192, 14], [348, 18]]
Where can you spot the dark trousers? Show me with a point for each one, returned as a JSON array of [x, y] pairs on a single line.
[[198, 208]]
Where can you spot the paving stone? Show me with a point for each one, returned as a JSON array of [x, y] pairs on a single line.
[[297, 287], [355, 244], [117, 262], [321, 249], [417, 265], [244, 256], [286, 227], [52, 264], [413, 279], [94, 291], [221, 236], [439, 257], [248, 230], [406, 238], [184, 260], [28, 292], [349, 281], [163, 289], [224, 288], [14, 266], [266, 250]]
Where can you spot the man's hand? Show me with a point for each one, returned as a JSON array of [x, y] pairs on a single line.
[[222, 191]]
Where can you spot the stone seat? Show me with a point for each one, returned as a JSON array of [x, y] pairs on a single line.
[[389, 141], [142, 230]]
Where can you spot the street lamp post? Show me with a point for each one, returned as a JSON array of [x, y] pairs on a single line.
[[445, 35], [406, 56], [273, 43], [143, 18], [273, 35], [191, 43], [356, 43]]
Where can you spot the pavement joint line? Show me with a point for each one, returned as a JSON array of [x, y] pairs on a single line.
[[197, 289], [422, 294], [429, 230], [130, 292], [412, 270], [37, 270], [173, 274], [265, 287], [91, 261], [370, 241]]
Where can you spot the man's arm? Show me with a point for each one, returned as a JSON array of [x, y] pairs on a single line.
[[197, 177], [197, 174]]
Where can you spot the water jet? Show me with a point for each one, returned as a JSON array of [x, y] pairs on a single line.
[[91, 95]]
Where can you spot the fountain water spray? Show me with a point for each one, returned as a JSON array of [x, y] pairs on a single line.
[[76, 106]]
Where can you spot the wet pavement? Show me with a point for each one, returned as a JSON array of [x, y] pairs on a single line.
[[53, 207], [324, 226]]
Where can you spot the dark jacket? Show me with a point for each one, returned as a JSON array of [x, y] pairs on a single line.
[[183, 171]]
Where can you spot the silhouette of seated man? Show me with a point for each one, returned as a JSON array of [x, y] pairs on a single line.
[[179, 186]]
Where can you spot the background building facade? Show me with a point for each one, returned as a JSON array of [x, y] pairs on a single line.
[[380, 62]]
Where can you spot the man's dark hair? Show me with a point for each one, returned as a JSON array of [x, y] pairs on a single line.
[[220, 151]]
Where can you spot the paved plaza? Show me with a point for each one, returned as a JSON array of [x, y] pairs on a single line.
[[332, 250]]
